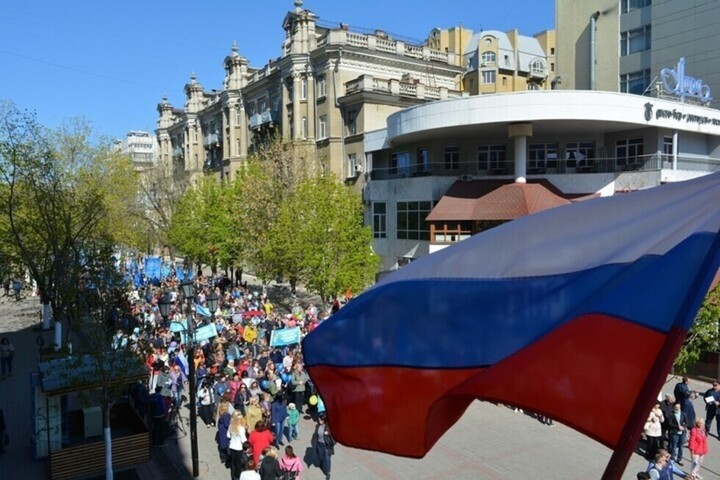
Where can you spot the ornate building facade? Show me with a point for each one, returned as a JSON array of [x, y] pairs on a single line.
[[329, 87]]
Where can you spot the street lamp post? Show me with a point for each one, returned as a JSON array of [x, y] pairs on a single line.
[[188, 291], [212, 304]]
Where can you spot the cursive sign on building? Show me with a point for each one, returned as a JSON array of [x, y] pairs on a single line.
[[676, 82]]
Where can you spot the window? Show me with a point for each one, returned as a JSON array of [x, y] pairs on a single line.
[[304, 132], [667, 145], [488, 77], [238, 114], [303, 89], [452, 158], [321, 86], [542, 156], [635, 82], [352, 122], [379, 219], [633, 41], [552, 67], [422, 162], [628, 5], [491, 157], [552, 51], [322, 127], [487, 58], [504, 81], [537, 67], [239, 147], [353, 166], [400, 163], [411, 224], [533, 86], [577, 154], [628, 153]]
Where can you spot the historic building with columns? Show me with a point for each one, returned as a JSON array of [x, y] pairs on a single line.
[[443, 171], [328, 88]]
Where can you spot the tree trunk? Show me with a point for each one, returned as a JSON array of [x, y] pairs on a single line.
[[108, 441]]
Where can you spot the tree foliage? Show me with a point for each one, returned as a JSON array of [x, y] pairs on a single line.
[[703, 334], [283, 218], [63, 196]]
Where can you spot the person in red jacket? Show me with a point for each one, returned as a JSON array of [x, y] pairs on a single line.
[[698, 446]]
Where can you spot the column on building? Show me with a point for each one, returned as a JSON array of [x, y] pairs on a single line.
[[520, 132], [296, 112]]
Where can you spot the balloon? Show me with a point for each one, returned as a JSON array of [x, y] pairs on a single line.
[[285, 377], [313, 400], [264, 384]]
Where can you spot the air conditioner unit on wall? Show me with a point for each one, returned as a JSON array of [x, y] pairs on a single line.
[[358, 168], [466, 177]]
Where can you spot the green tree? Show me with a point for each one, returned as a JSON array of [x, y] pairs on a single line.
[[61, 194], [703, 334], [319, 239]]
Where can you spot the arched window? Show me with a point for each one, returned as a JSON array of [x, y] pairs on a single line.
[[537, 66], [487, 58]]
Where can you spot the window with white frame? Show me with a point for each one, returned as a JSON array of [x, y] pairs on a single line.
[[533, 86], [322, 127], [304, 132], [379, 212], [542, 156], [353, 167], [400, 163], [303, 89], [491, 157], [633, 41], [629, 152], [488, 77], [452, 158], [667, 146], [321, 85], [487, 58], [411, 224], [537, 67], [238, 116], [578, 153]]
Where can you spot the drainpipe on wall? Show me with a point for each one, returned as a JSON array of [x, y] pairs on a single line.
[[593, 34]]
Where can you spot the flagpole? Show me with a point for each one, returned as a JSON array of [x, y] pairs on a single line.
[[653, 383]]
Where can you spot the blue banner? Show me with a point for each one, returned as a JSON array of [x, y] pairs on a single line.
[[152, 269], [285, 336]]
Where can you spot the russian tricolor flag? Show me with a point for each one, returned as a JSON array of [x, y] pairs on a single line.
[[576, 312]]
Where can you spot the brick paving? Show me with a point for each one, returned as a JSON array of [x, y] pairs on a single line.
[[490, 442]]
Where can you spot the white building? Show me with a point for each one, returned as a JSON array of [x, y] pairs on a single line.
[[442, 156], [142, 148]]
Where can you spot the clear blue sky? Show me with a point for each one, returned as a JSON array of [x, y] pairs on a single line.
[[112, 61]]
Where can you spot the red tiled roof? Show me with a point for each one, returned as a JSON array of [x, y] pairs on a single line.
[[496, 200]]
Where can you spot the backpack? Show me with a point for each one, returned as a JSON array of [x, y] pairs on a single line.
[[288, 474]]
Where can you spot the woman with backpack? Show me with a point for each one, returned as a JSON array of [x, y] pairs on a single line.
[[291, 465]]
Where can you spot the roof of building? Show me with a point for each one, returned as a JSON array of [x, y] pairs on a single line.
[[497, 199]]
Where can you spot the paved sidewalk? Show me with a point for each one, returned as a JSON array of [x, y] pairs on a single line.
[[489, 442]]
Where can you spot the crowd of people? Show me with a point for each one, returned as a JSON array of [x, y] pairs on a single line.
[[672, 425], [251, 393]]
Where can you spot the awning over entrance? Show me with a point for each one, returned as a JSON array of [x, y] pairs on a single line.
[[497, 199]]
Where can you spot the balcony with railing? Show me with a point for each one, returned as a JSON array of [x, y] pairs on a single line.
[[368, 83], [212, 140], [177, 152], [266, 118], [383, 43], [474, 170]]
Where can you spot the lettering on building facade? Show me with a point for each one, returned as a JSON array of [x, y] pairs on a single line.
[[679, 116], [676, 82]]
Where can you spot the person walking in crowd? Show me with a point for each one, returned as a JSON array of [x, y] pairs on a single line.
[[249, 473], [667, 408], [221, 436], [298, 380], [278, 416], [260, 439], [270, 467], [653, 431], [698, 446], [206, 397], [290, 464], [238, 437], [663, 467], [158, 413], [293, 419], [324, 446], [682, 390], [688, 408], [7, 354], [712, 407], [677, 429]]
